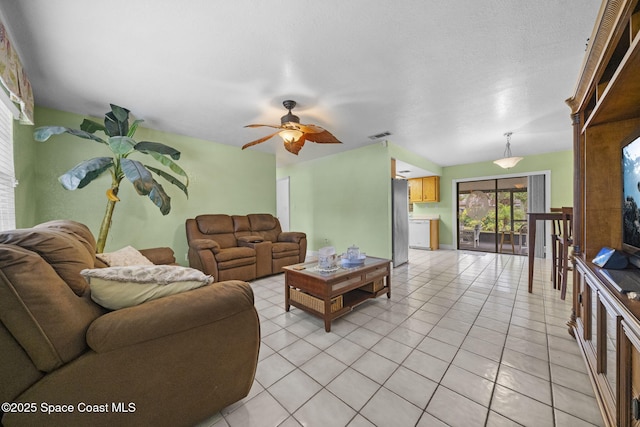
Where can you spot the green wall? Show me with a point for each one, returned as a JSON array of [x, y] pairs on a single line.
[[337, 200], [343, 199], [559, 163], [223, 179], [326, 194]]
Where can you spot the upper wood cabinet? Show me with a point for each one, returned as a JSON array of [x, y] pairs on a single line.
[[431, 189], [415, 190], [424, 190]]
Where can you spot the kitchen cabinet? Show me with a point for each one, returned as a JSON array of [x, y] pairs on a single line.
[[424, 190], [431, 189], [415, 190], [424, 233]]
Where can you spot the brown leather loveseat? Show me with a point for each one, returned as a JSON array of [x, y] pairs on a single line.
[[242, 247], [66, 361]]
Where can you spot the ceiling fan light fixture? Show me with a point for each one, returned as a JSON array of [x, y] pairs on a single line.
[[293, 133], [290, 135], [508, 160]]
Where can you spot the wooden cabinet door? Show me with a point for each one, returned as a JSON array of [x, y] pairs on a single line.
[[415, 190], [431, 189], [434, 235]]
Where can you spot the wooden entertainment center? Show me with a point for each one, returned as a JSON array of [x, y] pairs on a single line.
[[606, 111]]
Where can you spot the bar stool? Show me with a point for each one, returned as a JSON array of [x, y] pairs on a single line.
[[564, 242], [556, 232]]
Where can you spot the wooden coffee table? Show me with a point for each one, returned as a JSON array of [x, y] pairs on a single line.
[[330, 295]]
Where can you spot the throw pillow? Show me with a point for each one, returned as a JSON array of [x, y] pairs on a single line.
[[125, 286], [123, 257]]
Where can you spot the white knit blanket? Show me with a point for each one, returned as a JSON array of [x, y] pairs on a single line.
[[159, 274]]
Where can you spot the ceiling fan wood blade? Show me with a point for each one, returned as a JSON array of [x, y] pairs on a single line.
[[311, 129], [258, 141], [296, 146], [324, 137], [259, 125]]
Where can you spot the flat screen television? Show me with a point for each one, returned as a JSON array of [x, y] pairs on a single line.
[[631, 198]]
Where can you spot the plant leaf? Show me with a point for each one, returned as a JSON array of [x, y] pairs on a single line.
[[173, 180], [121, 145], [45, 132], [160, 198], [147, 146], [134, 127], [170, 164], [91, 126], [85, 172], [116, 121], [121, 114], [139, 176]]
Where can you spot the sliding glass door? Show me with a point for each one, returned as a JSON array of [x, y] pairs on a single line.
[[492, 215]]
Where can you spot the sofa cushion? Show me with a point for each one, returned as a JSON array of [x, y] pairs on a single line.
[[234, 263], [214, 224], [40, 310], [218, 227], [262, 222], [266, 225], [64, 252], [285, 247], [123, 257], [229, 254], [285, 250], [241, 223], [77, 230], [121, 287]]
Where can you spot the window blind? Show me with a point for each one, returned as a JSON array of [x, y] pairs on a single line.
[[7, 172]]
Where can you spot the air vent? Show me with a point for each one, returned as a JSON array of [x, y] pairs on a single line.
[[380, 135], [407, 171]]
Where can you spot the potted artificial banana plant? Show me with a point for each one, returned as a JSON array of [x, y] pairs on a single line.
[[119, 139]]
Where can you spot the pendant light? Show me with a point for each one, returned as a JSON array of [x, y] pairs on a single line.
[[508, 161]]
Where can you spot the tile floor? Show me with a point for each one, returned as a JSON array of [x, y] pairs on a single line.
[[461, 343]]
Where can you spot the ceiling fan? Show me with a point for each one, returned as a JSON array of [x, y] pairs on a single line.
[[293, 133]]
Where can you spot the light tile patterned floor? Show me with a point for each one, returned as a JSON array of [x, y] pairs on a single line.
[[460, 343]]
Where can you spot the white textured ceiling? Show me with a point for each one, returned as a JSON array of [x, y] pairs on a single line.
[[446, 78]]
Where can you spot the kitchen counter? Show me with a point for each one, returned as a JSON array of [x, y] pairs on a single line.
[[429, 217]]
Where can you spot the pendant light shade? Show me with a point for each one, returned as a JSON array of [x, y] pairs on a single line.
[[508, 161]]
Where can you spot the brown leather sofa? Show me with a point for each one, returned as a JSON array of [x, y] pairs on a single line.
[[242, 247], [172, 361]]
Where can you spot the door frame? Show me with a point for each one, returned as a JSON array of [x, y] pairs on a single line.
[[283, 211], [454, 201]]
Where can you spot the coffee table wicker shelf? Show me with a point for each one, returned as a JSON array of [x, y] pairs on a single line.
[[314, 303]]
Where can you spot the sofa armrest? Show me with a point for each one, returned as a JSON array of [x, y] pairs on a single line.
[[169, 315], [200, 244], [291, 236], [159, 256]]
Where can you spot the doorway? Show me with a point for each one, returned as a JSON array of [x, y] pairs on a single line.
[[492, 215], [282, 202]]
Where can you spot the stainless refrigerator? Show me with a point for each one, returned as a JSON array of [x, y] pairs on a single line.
[[400, 220]]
